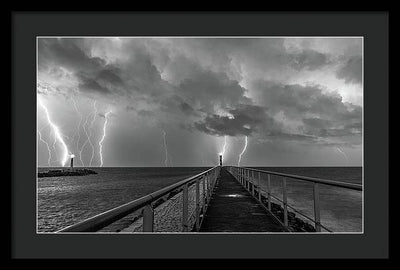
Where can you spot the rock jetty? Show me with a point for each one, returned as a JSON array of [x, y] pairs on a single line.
[[66, 172]]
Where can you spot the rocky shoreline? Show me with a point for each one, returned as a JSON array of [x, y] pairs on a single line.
[[66, 172], [167, 214]]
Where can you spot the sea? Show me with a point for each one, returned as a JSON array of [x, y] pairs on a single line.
[[64, 201]]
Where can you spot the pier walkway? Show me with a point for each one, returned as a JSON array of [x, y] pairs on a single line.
[[233, 209], [226, 199]]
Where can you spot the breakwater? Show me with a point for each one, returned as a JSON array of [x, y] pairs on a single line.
[[66, 172]]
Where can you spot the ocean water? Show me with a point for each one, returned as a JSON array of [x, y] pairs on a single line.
[[63, 201], [340, 208]]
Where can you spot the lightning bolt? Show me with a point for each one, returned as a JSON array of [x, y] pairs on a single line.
[[47, 145], [102, 139], [223, 148], [78, 128], [91, 129], [54, 144], [58, 135], [343, 153], [166, 149], [88, 140], [244, 150]]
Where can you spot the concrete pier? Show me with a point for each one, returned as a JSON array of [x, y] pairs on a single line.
[[233, 209]]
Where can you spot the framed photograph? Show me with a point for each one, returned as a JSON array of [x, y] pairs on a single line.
[[152, 130]]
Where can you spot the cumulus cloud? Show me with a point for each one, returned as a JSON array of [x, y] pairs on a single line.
[[67, 52], [240, 121], [86, 83], [208, 90], [322, 114], [351, 70], [309, 59], [217, 87]]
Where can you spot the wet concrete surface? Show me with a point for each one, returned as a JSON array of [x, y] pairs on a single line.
[[233, 209]]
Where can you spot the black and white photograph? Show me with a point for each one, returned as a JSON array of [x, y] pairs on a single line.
[[200, 134]]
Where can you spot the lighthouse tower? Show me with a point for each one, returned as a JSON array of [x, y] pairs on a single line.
[[72, 161]]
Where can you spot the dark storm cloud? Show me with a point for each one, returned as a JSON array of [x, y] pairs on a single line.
[[331, 116], [291, 136], [68, 52], [331, 128], [216, 86], [317, 122], [222, 125], [130, 108], [111, 75], [296, 100], [242, 120], [336, 132], [146, 113], [142, 75], [140, 112], [351, 71], [309, 59], [208, 89], [187, 109], [89, 84], [93, 73]]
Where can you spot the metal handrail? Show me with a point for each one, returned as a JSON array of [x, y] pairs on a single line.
[[242, 175], [294, 209], [314, 180], [106, 218]]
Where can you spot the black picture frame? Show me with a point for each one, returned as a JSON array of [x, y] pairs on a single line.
[[373, 26]]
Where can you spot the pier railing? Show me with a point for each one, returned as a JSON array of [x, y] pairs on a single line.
[[203, 184], [251, 180]]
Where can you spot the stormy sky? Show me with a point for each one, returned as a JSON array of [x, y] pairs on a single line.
[[173, 101]]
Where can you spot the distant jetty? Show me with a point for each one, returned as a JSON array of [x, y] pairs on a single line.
[[66, 172]]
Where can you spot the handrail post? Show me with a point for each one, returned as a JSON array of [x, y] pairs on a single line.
[[317, 216], [209, 187], [247, 180], [197, 204], [204, 193], [243, 178], [259, 186], [269, 191], [246, 177], [213, 180], [285, 211], [252, 183], [148, 218], [185, 208]]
